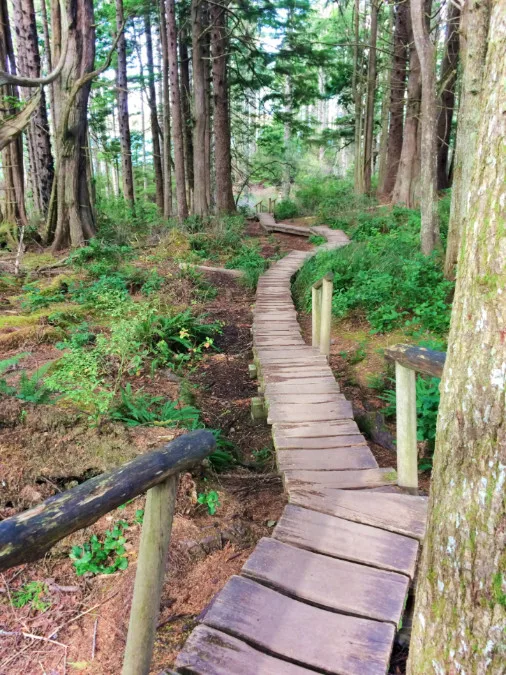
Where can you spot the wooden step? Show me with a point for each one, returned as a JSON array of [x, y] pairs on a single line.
[[343, 480], [347, 540], [333, 643], [309, 412], [335, 459], [330, 583], [404, 514]]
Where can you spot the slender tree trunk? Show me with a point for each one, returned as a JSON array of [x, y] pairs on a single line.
[[223, 165], [12, 155], [460, 612], [357, 99], [209, 108], [447, 82], [41, 159], [408, 173], [200, 202], [286, 175], [123, 120], [371, 88], [186, 97], [167, 169], [182, 205], [49, 61], [429, 234], [155, 129], [397, 93], [73, 213], [474, 30]]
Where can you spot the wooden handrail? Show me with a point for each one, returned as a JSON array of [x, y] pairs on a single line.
[[321, 315], [29, 535], [409, 360], [420, 359]]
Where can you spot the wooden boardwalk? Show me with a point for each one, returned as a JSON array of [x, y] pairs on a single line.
[[327, 592]]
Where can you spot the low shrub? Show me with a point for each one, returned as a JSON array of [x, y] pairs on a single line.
[[251, 262], [285, 209]]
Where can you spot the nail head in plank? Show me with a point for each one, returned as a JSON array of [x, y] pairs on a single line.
[[299, 632], [347, 540], [404, 514], [335, 584]]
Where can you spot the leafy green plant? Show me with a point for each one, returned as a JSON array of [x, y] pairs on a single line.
[[251, 262], [317, 239], [97, 250], [284, 209], [211, 499], [263, 455], [140, 409], [29, 388], [33, 593], [354, 356], [102, 556]]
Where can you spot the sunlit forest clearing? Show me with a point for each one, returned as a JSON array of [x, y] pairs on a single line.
[[252, 264]]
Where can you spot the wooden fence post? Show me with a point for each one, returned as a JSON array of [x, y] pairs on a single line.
[[149, 578], [316, 314], [326, 314], [407, 451]]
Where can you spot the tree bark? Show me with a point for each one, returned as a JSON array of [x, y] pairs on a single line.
[[179, 167], [186, 97], [406, 181], [223, 164], [71, 216], [397, 93], [460, 611], [371, 88], [357, 99], [473, 47], [41, 159], [123, 119], [209, 107], [200, 202], [448, 79], [429, 234], [167, 169], [12, 155], [155, 129]]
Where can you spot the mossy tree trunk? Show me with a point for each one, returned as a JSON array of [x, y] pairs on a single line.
[[460, 612]]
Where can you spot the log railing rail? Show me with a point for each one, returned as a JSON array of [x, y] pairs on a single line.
[[321, 313], [410, 360], [30, 534]]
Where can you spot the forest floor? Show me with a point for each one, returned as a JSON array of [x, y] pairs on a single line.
[[81, 621]]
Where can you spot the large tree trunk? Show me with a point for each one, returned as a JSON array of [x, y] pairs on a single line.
[[123, 120], [357, 99], [460, 612], [186, 98], [223, 165], [397, 92], [200, 202], [447, 81], [408, 174], [167, 169], [41, 159], [12, 155], [209, 108], [371, 88], [182, 204], [429, 234], [286, 179], [473, 48], [71, 216], [155, 129]]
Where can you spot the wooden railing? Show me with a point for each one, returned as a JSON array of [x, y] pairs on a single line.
[[321, 313], [29, 535], [410, 360], [270, 208]]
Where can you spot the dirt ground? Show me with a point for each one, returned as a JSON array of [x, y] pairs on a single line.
[[45, 450]]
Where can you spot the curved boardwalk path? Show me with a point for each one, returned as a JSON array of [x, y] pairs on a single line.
[[327, 592]]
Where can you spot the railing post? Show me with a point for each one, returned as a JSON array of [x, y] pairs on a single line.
[[326, 313], [407, 451], [155, 538], [316, 314]]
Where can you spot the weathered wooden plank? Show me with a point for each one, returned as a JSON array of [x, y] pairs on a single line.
[[300, 632], [308, 430], [210, 652], [337, 459], [344, 480], [296, 412], [416, 358], [319, 443], [307, 398], [310, 386], [404, 514], [328, 582], [347, 540]]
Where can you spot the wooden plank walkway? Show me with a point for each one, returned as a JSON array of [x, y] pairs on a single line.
[[327, 592]]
